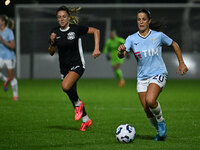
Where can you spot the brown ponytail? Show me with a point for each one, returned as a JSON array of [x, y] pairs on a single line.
[[157, 25]]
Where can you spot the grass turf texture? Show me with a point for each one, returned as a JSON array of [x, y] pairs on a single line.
[[43, 118]]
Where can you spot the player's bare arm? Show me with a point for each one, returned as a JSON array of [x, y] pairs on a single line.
[[9, 44], [52, 47], [96, 33], [182, 66]]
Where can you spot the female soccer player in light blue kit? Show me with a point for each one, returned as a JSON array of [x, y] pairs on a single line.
[[151, 70], [7, 55]]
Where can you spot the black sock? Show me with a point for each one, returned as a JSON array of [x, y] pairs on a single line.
[[84, 112], [73, 96]]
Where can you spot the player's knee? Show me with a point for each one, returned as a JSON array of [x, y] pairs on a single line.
[[151, 102], [11, 78], [65, 87]]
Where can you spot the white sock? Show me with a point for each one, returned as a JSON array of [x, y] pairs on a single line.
[[2, 77], [85, 118], [154, 122], [157, 112], [77, 103], [14, 85]]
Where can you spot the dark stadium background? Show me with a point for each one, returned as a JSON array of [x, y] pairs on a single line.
[[43, 118], [13, 2]]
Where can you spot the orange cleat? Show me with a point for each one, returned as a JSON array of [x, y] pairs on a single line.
[[15, 98], [121, 83], [84, 125], [79, 111]]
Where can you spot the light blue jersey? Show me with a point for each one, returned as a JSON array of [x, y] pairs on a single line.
[[5, 52], [148, 52]]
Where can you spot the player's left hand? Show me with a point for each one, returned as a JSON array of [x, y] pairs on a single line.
[[96, 53], [182, 68]]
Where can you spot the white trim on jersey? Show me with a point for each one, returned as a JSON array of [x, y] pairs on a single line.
[[81, 52], [145, 35], [63, 30]]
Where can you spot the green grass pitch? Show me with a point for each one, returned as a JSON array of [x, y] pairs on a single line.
[[43, 118]]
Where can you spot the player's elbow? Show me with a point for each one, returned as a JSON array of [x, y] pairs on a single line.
[[12, 46], [97, 31]]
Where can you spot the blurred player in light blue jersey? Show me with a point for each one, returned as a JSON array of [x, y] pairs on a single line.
[[7, 55], [152, 74]]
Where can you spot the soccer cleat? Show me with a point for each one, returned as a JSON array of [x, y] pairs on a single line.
[[162, 129], [78, 111], [158, 138], [121, 83], [15, 98], [5, 85], [84, 125]]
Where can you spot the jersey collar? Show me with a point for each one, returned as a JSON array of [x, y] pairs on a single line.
[[65, 29], [144, 37]]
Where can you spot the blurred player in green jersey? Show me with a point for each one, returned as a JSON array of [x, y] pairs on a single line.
[[111, 51]]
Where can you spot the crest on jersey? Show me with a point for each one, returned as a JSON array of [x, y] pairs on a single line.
[[71, 36], [153, 40]]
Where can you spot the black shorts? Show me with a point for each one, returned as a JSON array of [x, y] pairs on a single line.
[[75, 68]]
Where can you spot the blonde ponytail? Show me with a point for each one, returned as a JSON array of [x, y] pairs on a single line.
[[11, 23]]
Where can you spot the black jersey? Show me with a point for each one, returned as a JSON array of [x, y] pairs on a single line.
[[69, 45]]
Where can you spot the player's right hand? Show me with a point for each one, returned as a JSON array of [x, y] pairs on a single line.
[[121, 48], [96, 53], [52, 38]]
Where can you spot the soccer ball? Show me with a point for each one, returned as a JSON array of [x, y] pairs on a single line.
[[125, 133]]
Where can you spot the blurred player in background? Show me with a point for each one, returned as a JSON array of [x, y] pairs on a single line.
[[151, 70], [7, 55], [66, 38], [110, 50]]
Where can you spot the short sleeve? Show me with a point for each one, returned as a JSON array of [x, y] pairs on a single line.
[[82, 30], [165, 39], [127, 44], [11, 36]]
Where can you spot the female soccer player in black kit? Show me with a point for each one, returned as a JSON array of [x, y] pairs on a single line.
[[66, 38]]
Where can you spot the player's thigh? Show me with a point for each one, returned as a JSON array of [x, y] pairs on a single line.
[[153, 92], [70, 79], [11, 74], [142, 96], [10, 65], [156, 85]]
